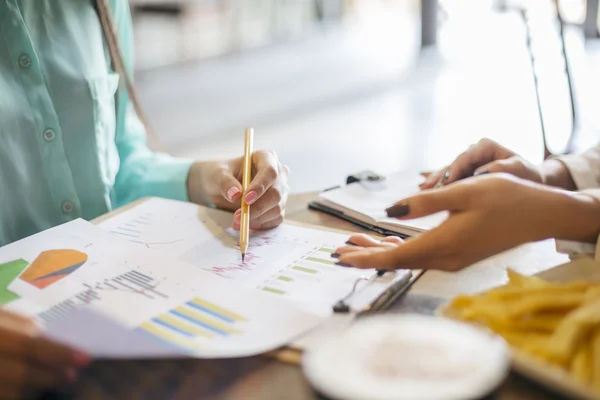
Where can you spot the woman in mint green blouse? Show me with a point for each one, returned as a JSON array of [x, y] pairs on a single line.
[[65, 152]]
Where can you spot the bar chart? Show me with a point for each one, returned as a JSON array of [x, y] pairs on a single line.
[[314, 273], [132, 281], [194, 324], [308, 269]]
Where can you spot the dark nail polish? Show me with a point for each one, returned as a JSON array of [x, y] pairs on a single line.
[[481, 173], [335, 255], [381, 272], [349, 243], [446, 175], [398, 210], [341, 264]]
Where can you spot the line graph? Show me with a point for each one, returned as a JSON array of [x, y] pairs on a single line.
[[221, 255], [150, 245], [144, 229]]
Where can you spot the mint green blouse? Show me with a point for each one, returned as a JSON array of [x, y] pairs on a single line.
[[65, 152]]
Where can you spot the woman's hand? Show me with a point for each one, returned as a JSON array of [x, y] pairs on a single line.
[[30, 363], [486, 156], [487, 215], [218, 183], [362, 241]]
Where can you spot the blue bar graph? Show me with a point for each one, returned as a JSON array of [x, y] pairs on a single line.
[[172, 327], [199, 323]]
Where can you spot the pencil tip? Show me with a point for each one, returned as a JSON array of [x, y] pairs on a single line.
[[243, 256]]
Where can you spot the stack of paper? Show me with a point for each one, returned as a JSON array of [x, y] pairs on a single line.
[[169, 277]]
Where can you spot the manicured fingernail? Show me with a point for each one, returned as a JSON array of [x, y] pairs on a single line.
[[251, 197], [81, 359], [341, 264], [349, 243], [446, 175], [398, 210], [482, 172], [71, 375], [237, 217], [335, 255], [381, 272], [232, 192]]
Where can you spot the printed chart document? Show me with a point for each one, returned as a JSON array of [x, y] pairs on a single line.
[[290, 262], [53, 275], [367, 201]]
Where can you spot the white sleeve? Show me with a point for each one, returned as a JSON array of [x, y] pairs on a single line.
[[578, 249], [584, 168]]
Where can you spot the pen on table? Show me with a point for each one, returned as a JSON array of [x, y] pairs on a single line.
[[246, 173]]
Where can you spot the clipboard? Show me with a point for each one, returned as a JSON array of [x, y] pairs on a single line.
[[369, 178], [314, 205]]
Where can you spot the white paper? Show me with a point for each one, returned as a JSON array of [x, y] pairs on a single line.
[[372, 200], [146, 292], [289, 262]]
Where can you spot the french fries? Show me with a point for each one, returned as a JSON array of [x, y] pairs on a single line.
[[556, 323]]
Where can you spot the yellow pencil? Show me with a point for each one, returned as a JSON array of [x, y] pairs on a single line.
[[246, 174]]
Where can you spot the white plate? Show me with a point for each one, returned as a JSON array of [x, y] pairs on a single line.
[[407, 357]]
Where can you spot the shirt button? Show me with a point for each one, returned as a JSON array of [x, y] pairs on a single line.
[[24, 61], [49, 135], [67, 207]]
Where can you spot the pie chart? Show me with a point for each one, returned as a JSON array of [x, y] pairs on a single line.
[[51, 266]]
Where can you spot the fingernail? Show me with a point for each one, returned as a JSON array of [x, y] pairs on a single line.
[[398, 210], [71, 375], [483, 172], [341, 264], [232, 192], [81, 359], [251, 197], [381, 272], [335, 255], [237, 217], [349, 243], [446, 175]]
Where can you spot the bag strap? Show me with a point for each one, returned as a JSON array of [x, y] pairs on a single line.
[[118, 64]]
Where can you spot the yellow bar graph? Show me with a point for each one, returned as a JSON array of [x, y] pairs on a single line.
[[208, 321], [327, 250], [217, 310], [183, 326], [169, 337], [320, 260]]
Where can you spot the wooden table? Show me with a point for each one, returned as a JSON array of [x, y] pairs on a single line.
[[264, 378]]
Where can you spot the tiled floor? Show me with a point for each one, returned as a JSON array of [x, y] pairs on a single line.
[[364, 97]]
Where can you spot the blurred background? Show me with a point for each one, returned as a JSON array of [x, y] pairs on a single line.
[[338, 86]]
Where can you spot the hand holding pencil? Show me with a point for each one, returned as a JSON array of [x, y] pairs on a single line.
[[220, 184]]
